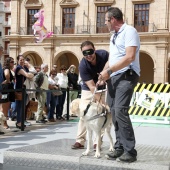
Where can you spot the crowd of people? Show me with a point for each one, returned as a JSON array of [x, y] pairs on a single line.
[[24, 74]]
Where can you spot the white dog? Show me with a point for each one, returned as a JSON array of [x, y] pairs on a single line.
[[2, 119], [79, 107]]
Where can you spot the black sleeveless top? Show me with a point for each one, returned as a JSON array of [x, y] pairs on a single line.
[[11, 95], [11, 75]]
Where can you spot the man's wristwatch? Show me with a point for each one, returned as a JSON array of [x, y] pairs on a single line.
[[109, 72]]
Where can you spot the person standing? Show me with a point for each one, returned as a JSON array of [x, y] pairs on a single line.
[[9, 83], [54, 67], [122, 74], [1, 71], [1, 76], [41, 81], [90, 66], [63, 84], [51, 97], [21, 73], [73, 87]]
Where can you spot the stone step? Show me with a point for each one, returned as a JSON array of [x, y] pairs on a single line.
[[58, 155]]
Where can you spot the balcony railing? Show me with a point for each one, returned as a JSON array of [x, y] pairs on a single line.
[[26, 31], [85, 29], [146, 28]]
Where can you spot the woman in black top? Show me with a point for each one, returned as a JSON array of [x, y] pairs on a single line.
[[8, 82], [21, 73]]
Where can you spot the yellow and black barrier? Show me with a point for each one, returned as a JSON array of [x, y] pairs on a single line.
[[162, 106]]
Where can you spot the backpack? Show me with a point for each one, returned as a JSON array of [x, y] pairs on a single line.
[[39, 79]]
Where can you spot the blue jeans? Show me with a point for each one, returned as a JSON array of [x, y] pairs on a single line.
[[13, 108], [51, 104], [19, 110]]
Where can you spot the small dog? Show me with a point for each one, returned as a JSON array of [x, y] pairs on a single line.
[[2, 119], [80, 108]]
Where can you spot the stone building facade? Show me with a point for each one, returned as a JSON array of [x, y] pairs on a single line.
[[74, 21]]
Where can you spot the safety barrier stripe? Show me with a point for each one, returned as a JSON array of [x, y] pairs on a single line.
[[159, 88], [160, 109], [146, 112], [164, 112]]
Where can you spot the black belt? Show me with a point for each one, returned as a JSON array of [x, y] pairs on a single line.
[[130, 72]]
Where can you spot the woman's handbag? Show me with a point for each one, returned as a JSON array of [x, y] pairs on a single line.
[[18, 95], [5, 95], [57, 93], [5, 87], [33, 105]]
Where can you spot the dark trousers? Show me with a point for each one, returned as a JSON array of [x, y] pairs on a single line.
[[19, 109], [61, 100], [120, 90], [51, 104]]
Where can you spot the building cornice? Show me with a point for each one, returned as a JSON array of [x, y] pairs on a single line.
[[68, 3], [103, 2], [33, 4], [141, 1], [154, 34]]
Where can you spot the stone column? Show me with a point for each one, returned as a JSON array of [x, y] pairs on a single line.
[[161, 59], [15, 17], [48, 57]]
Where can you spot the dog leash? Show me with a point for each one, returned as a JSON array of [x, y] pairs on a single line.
[[88, 106], [102, 114]]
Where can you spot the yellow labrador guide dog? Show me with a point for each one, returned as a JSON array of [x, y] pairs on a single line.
[[92, 113]]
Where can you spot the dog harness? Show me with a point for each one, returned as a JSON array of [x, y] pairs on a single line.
[[102, 114]]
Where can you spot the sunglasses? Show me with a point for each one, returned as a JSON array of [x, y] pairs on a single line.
[[88, 52], [12, 62], [64, 69], [54, 74]]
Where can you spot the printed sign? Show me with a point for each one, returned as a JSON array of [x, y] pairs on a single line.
[[148, 99]]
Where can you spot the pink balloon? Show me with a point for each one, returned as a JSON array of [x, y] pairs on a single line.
[[39, 27]]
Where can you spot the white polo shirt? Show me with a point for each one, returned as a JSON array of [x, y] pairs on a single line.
[[127, 36]]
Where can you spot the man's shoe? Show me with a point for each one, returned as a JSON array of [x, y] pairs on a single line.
[[126, 157], [40, 121], [44, 118], [77, 146], [115, 154], [2, 133]]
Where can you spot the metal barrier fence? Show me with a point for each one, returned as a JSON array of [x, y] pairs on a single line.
[[147, 100], [23, 90]]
